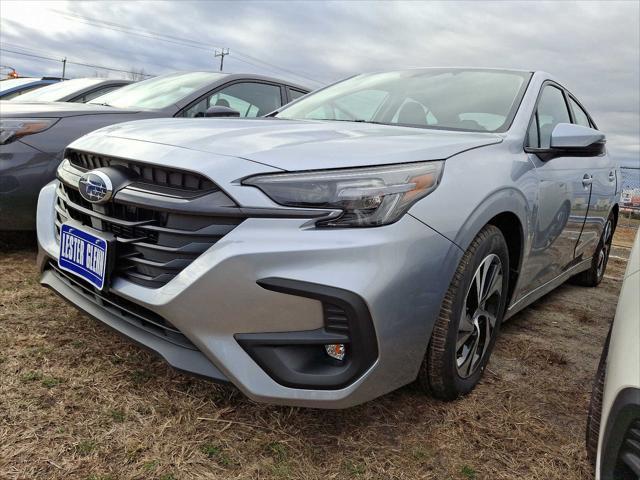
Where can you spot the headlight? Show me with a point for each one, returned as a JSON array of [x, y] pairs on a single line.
[[368, 197], [13, 128]]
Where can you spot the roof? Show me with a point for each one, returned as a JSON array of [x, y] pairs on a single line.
[[248, 76], [496, 69]]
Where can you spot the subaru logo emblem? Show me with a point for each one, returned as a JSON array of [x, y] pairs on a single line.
[[95, 187]]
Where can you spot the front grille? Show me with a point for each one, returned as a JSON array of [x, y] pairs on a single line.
[[132, 313], [145, 173], [628, 465], [335, 319], [153, 245]]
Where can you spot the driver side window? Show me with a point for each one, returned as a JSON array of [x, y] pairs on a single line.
[[250, 99], [552, 110]]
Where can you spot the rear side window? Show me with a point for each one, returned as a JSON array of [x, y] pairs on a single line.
[[552, 110], [295, 94], [17, 93], [95, 94], [579, 115]]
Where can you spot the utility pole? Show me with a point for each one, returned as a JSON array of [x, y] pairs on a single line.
[[221, 53], [64, 65]]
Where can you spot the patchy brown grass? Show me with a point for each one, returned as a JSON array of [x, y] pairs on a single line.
[[79, 402], [625, 235]]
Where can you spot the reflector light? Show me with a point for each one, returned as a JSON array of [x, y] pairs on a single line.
[[335, 350]]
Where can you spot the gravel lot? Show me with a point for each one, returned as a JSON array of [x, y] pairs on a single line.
[[78, 401]]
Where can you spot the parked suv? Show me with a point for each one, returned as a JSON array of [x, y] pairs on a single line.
[[372, 233], [77, 90], [613, 425], [14, 87], [34, 135]]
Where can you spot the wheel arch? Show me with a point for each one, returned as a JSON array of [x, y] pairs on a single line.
[[511, 228], [509, 211]]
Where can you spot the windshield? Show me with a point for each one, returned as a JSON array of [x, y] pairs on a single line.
[[57, 91], [159, 92], [15, 82], [452, 99]]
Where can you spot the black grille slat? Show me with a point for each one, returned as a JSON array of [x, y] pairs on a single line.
[[629, 455], [175, 264], [187, 249], [152, 246], [148, 280], [129, 311], [151, 174], [335, 318]]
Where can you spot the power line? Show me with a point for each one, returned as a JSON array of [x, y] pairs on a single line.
[[132, 29], [98, 23], [124, 71], [177, 41], [75, 63], [46, 52]]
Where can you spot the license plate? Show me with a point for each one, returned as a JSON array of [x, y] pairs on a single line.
[[83, 254]]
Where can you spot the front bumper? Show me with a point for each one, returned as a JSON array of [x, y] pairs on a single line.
[[400, 272]]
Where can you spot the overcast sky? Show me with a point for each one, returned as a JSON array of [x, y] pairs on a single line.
[[593, 47]]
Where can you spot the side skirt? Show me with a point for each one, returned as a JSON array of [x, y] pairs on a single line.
[[542, 290]]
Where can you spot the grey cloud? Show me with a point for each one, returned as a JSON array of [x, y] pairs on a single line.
[[593, 47]]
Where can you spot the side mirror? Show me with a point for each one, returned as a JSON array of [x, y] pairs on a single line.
[[220, 111], [571, 136], [570, 140]]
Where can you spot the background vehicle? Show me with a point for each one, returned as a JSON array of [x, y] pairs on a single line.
[[372, 233], [12, 87], [33, 136], [613, 426], [79, 90]]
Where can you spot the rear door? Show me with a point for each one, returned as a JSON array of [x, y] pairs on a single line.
[[563, 192], [601, 169]]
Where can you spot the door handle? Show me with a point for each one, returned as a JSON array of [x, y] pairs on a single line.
[[587, 180], [612, 176]]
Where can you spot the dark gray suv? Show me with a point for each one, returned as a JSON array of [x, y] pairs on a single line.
[[33, 136]]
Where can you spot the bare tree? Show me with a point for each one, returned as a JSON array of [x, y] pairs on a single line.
[[137, 74]]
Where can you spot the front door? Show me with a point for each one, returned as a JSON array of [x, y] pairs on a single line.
[[563, 194]]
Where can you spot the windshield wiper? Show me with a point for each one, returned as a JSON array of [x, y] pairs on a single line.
[[357, 120], [102, 104]]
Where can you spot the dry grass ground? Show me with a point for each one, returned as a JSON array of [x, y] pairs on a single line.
[[79, 402]]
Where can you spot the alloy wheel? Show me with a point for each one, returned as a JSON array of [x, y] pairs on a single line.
[[603, 255], [479, 315]]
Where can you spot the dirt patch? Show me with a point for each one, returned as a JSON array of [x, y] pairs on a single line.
[[625, 235], [80, 402]]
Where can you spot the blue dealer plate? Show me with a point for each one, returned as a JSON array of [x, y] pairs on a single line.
[[83, 254]]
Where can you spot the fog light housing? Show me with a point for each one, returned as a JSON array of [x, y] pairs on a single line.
[[335, 350]]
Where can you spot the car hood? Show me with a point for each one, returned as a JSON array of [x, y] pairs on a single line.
[[56, 109], [303, 144]]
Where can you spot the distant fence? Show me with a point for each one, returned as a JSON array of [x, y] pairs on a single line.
[[630, 198]]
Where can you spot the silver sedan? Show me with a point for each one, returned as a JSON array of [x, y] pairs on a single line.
[[370, 234]]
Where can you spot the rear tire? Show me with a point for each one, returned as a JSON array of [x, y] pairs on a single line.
[[465, 331], [595, 274]]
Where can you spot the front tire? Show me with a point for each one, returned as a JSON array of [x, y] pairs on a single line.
[[465, 332]]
